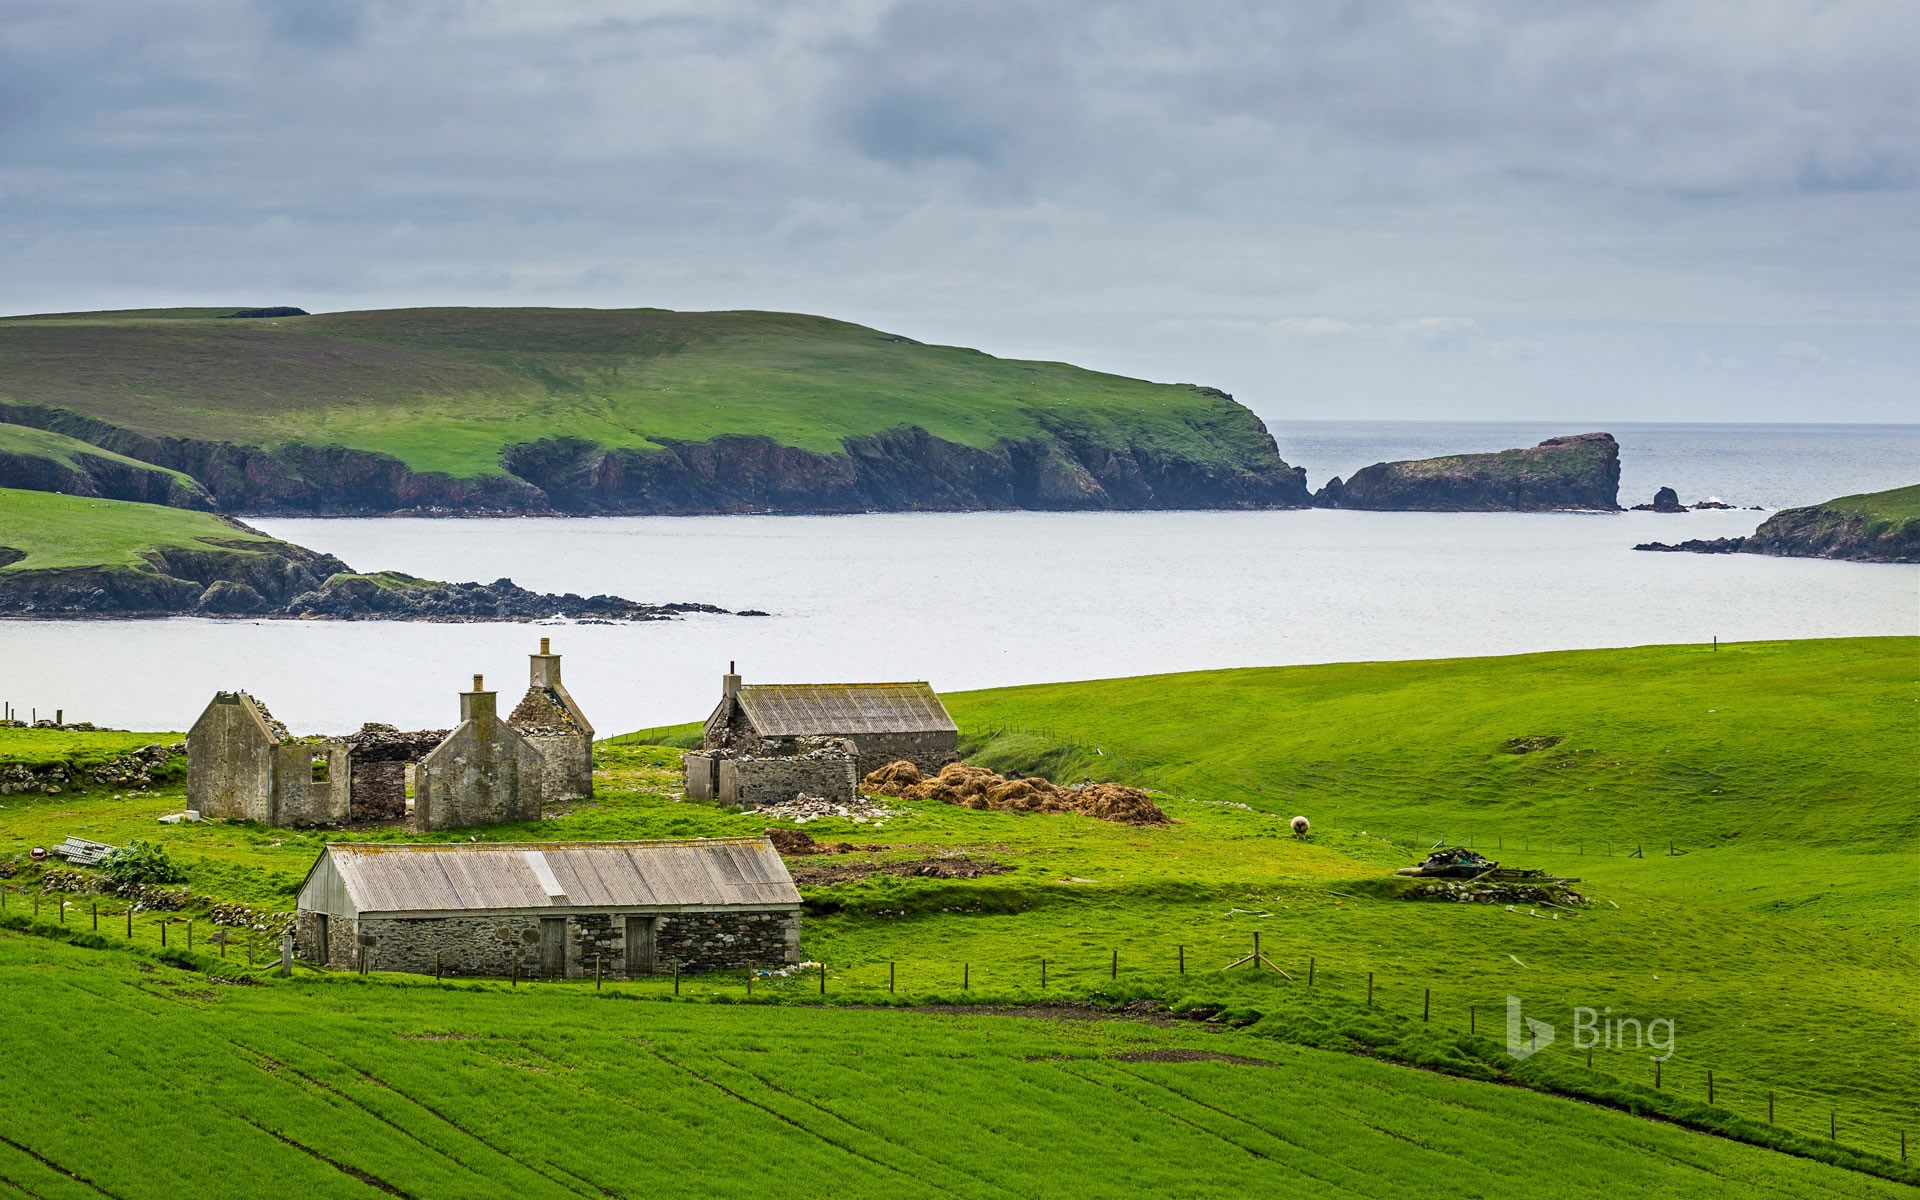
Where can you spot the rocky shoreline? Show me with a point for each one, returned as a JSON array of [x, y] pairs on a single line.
[[1829, 530], [901, 470], [251, 578]]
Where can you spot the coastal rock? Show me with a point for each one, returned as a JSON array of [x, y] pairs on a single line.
[[98, 476], [1872, 527], [392, 596], [1666, 500], [1581, 472]]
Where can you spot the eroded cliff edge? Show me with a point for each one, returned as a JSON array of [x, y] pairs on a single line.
[[1882, 527]]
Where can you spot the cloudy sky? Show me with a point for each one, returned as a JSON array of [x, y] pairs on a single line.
[[1493, 210]]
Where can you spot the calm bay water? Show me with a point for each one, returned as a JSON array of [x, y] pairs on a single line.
[[985, 599]]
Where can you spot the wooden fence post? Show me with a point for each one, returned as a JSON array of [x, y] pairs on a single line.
[[1656, 1074], [1709, 1087], [96, 916], [823, 979], [1369, 989], [1183, 958], [1043, 974], [1116, 966], [516, 973], [163, 935], [676, 977], [1426, 1008], [436, 966], [966, 976], [749, 981], [890, 967], [129, 922], [1472, 1019], [1769, 1106], [1833, 1124], [189, 935], [1309, 972], [596, 972]]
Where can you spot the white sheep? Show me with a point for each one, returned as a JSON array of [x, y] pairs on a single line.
[[1300, 826]]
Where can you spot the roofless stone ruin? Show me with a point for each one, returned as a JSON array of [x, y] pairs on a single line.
[[245, 765]]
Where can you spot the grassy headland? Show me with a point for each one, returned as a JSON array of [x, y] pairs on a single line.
[[463, 393], [52, 531]]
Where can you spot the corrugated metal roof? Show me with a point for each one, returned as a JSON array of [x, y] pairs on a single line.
[[782, 710], [444, 877]]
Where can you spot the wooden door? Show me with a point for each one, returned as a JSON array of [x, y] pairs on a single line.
[[553, 947], [640, 945]]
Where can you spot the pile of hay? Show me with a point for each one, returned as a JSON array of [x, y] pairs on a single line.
[[976, 787]]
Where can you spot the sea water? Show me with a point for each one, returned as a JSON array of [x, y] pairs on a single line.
[[971, 600]]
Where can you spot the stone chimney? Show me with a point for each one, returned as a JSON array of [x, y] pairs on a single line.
[[479, 702], [730, 683], [544, 667]]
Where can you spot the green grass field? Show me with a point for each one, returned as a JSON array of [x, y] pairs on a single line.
[[73, 531], [334, 1088], [448, 389], [1780, 938]]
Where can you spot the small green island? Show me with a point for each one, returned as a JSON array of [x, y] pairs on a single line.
[[526, 410], [83, 557], [1879, 527]]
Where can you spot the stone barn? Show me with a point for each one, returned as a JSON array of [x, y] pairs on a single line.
[[550, 909], [885, 722]]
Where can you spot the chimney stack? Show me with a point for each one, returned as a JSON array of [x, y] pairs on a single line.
[[479, 702], [730, 682], [543, 669]]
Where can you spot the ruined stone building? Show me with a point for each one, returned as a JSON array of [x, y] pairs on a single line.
[[243, 764], [766, 743], [550, 910], [548, 717]]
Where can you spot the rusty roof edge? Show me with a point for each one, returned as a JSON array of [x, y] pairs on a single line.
[[385, 847]]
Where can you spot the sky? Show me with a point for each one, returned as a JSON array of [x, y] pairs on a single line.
[[1524, 210]]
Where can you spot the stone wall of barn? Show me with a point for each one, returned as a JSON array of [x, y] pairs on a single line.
[[928, 751], [492, 944], [343, 950], [824, 767]]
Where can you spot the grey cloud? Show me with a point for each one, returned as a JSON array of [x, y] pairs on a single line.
[[1251, 194]]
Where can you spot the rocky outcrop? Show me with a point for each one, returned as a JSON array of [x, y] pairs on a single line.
[[395, 597], [1837, 529], [1666, 500], [901, 470], [282, 310], [1581, 472], [278, 579]]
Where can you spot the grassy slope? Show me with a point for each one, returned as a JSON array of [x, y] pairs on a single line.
[[1786, 954], [73, 531], [1896, 504], [328, 1087], [447, 389], [39, 443]]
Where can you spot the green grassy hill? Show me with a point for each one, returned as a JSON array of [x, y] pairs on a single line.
[[1871, 527], [1780, 938], [445, 396]]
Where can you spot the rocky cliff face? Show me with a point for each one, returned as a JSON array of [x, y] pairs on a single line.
[[1818, 531], [902, 470], [93, 475], [1581, 472]]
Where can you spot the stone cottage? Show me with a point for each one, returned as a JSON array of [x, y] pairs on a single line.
[[550, 910], [548, 717], [483, 773], [243, 764], [886, 722]]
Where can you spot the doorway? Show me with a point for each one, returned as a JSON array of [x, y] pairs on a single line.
[[553, 947], [640, 945], [320, 931]]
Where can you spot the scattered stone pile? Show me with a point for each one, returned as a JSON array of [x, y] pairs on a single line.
[[129, 771], [861, 810], [976, 787], [798, 843], [1495, 892]]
